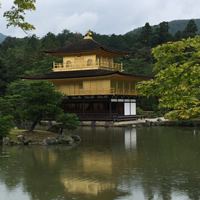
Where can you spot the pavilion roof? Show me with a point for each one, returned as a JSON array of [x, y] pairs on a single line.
[[82, 74], [86, 45]]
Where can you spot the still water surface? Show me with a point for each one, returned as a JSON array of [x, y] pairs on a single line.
[[158, 163]]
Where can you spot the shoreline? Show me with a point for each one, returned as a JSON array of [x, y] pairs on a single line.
[[123, 123], [160, 121]]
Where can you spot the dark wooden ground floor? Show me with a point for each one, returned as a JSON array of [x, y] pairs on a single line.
[[101, 108]]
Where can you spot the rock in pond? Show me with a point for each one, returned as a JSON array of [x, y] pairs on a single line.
[[21, 138], [65, 139], [76, 138], [50, 141]]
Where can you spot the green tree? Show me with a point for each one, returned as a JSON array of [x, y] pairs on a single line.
[[162, 33], [65, 36], [138, 66], [17, 87], [67, 121], [178, 36], [190, 30], [5, 107], [5, 125], [49, 41], [16, 15], [177, 80], [14, 98], [3, 78], [146, 35], [40, 101]]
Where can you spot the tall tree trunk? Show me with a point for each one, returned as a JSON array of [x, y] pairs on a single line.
[[32, 127]]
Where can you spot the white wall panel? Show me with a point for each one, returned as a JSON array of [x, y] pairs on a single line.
[[127, 109], [133, 108]]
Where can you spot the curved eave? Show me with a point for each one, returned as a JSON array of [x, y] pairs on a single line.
[[99, 50], [86, 74], [139, 77]]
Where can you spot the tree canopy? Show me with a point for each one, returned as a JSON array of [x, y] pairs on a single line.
[[6, 118], [16, 15], [177, 82], [190, 30], [40, 101], [5, 125], [67, 121]]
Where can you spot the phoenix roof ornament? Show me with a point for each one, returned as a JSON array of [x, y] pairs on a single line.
[[88, 35]]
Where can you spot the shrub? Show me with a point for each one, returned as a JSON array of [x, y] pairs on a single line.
[[139, 111], [67, 121]]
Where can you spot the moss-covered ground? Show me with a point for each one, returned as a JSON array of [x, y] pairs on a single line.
[[35, 136]]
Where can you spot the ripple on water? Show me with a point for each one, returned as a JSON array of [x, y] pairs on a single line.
[[4, 155]]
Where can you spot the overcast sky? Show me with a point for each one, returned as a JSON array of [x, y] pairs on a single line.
[[100, 16]]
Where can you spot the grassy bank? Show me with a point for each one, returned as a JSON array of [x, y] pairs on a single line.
[[36, 136]]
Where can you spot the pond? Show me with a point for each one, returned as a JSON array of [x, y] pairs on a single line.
[[109, 164]]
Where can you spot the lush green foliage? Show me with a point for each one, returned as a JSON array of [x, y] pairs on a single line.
[[190, 30], [35, 101], [6, 118], [15, 16], [177, 82], [17, 87], [5, 125], [67, 121], [14, 97], [40, 101], [5, 107]]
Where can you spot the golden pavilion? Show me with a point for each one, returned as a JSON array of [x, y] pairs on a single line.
[[96, 88]]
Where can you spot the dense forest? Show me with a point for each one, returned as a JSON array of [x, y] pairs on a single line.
[[26, 56]]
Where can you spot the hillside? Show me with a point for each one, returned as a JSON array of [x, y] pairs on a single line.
[[174, 26], [2, 37], [179, 25]]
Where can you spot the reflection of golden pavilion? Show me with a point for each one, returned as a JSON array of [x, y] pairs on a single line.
[[98, 167], [97, 163], [96, 87], [47, 157], [93, 187]]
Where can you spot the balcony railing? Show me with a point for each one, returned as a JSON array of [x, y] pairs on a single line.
[[112, 91], [85, 65]]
